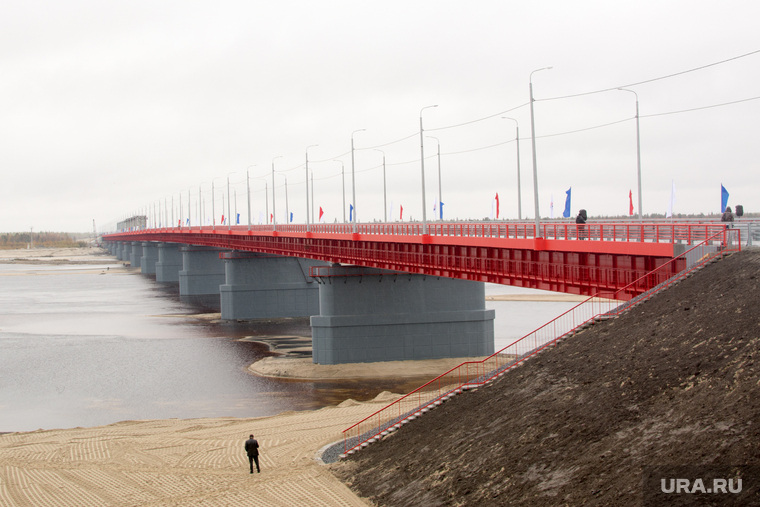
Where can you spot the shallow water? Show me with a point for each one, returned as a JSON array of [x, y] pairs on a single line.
[[85, 346]]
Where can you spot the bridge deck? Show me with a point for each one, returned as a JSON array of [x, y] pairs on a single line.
[[600, 257]]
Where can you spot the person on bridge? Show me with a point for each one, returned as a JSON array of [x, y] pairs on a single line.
[[728, 216], [581, 221], [252, 449]]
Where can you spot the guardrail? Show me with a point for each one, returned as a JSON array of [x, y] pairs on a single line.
[[684, 232], [473, 374]]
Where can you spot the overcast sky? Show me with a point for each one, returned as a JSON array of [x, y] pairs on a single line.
[[109, 107]]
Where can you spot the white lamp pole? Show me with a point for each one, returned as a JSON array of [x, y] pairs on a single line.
[[517, 145], [533, 142], [343, 177], [422, 171], [638, 149], [274, 209], [385, 190], [308, 228], [229, 203], [248, 189], [353, 181], [440, 207]]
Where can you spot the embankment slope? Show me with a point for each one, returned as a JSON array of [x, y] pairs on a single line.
[[674, 381]]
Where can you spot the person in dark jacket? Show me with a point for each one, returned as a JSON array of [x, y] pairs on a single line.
[[252, 449], [728, 216], [580, 220]]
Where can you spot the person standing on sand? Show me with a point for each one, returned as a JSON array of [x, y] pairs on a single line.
[[252, 448]]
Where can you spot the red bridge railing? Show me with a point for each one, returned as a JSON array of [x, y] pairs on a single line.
[[472, 374], [604, 231]]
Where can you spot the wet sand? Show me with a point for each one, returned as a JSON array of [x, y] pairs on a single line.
[[181, 462]]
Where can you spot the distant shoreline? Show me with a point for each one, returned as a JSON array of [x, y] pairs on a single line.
[[55, 256]]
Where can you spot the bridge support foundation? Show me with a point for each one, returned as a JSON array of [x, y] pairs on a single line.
[[126, 248], [135, 254], [201, 275], [369, 315], [259, 286], [149, 258], [169, 263]]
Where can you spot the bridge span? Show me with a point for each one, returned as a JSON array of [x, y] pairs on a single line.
[[593, 259], [432, 303]]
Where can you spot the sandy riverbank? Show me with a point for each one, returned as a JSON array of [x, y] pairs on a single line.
[[83, 255], [181, 462]]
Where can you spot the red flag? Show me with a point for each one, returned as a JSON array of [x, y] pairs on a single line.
[[271, 217], [401, 212], [630, 202], [497, 204], [222, 219], [321, 213]]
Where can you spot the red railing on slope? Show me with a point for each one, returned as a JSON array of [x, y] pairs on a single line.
[[475, 373]]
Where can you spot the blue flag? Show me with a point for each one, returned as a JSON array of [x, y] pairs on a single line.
[[723, 198], [238, 219], [291, 216], [350, 212], [440, 208], [566, 213]]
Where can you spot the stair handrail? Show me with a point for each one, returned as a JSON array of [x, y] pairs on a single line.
[[472, 374]]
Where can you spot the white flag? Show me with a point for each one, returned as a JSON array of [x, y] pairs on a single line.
[[671, 204]]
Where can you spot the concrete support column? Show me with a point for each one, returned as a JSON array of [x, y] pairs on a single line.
[[126, 249], [116, 249], [149, 258], [369, 315], [259, 286], [135, 256], [169, 263], [201, 275]]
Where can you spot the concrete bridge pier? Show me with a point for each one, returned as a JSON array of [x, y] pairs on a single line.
[[201, 275], [261, 286], [135, 255], [369, 315], [149, 258], [126, 250], [169, 263], [115, 248]]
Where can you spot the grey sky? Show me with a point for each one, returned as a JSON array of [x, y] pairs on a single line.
[[107, 108]]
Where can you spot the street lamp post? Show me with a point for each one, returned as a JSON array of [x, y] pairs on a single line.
[[343, 178], [287, 207], [248, 189], [517, 144], [440, 199], [533, 143], [274, 209], [422, 171], [229, 203], [308, 227], [385, 190], [353, 182], [638, 149]]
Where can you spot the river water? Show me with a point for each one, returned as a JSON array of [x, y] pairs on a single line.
[[83, 345]]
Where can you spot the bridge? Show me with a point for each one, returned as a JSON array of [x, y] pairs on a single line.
[[446, 265]]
